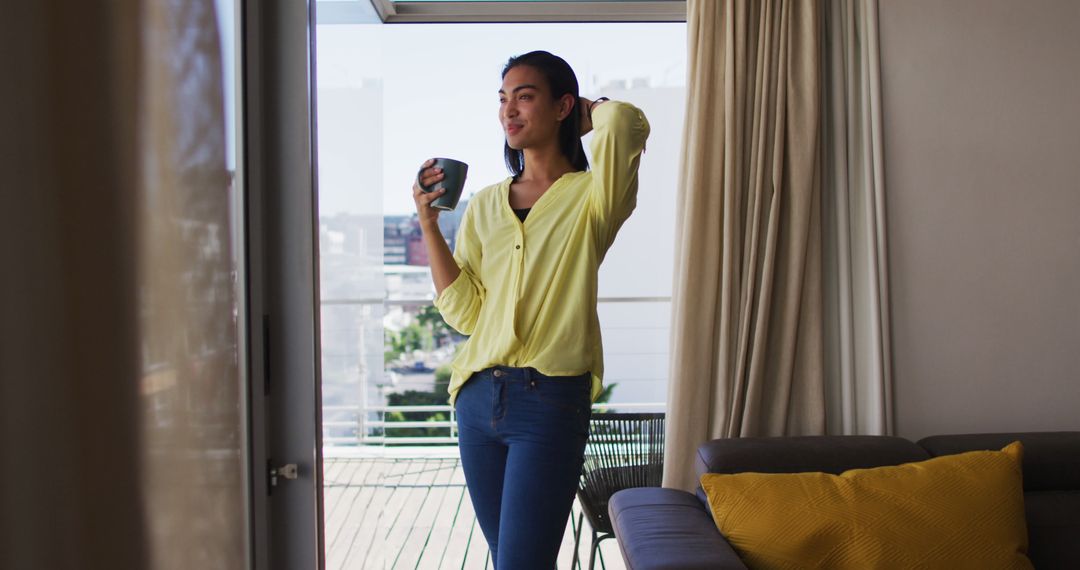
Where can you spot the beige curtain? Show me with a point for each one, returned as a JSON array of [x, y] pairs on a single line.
[[121, 414], [857, 357], [747, 355], [70, 469]]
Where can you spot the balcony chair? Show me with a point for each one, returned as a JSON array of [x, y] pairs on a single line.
[[625, 450]]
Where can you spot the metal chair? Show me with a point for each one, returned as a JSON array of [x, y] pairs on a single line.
[[625, 450]]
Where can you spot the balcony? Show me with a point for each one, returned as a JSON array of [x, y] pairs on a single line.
[[406, 506]]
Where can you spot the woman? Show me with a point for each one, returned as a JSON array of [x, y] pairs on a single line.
[[522, 283]]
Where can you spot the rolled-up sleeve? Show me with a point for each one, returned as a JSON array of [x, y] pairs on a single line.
[[460, 303], [620, 131]]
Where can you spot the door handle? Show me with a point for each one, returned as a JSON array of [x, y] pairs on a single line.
[[288, 471]]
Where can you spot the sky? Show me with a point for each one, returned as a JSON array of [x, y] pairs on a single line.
[[439, 97]]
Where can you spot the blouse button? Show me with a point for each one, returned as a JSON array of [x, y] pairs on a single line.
[[517, 247]]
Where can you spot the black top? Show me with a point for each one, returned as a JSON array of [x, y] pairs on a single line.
[[521, 213]]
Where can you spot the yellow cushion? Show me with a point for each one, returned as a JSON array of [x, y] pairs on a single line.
[[955, 511]]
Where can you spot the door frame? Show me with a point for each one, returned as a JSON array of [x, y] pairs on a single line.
[[283, 318], [281, 232]]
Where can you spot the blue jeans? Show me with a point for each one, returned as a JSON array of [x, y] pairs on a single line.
[[522, 436]]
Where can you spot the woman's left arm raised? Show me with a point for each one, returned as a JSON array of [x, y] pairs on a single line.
[[621, 130]]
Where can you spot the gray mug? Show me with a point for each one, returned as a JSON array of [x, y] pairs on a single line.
[[454, 172]]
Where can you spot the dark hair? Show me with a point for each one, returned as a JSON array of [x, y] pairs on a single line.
[[561, 80]]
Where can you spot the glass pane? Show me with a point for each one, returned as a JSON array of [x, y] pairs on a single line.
[[388, 98], [190, 283]]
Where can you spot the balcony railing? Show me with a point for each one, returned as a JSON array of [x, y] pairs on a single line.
[[368, 425], [364, 426]]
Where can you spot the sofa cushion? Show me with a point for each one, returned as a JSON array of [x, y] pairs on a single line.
[[1051, 459], [828, 454], [661, 529], [1051, 484], [1053, 519], [962, 510]]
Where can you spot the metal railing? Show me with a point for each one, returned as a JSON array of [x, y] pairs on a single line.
[[365, 429], [363, 425], [428, 301]]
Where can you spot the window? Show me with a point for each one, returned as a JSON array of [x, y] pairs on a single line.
[[391, 96]]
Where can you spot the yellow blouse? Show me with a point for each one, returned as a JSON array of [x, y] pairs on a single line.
[[526, 294]]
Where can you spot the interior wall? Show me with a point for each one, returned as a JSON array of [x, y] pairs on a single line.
[[982, 158]]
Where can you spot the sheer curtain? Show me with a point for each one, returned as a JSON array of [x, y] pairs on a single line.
[[121, 409], [747, 354], [857, 346], [191, 386]]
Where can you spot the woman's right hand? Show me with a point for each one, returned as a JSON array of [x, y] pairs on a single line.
[[585, 114], [428, 176]]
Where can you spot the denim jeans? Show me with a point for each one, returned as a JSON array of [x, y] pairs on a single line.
[[522, 436]]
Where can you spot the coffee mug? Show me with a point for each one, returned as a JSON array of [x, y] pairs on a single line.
[[454, 172]]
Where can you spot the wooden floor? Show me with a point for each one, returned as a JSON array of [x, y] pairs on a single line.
[[414, 512]]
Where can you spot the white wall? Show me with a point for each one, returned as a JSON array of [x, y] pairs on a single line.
[[982, 150]]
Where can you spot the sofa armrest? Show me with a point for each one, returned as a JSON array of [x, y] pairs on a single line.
[[668, 529]]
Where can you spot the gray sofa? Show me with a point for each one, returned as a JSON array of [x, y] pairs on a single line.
[[671, 529]]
